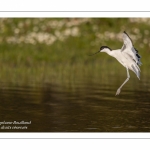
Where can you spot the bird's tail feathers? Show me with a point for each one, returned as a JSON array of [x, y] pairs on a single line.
[[136, 70]]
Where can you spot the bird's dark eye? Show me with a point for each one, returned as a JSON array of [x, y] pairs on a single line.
[[102, 47]]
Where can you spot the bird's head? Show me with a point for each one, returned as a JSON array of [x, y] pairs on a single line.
[[104, 49]]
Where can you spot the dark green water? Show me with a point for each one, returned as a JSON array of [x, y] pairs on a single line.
[[75, 107]]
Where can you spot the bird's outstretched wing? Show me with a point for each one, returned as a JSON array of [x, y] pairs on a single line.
[[129, 49]]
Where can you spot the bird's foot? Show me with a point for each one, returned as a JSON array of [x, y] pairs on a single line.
[[118, 91]]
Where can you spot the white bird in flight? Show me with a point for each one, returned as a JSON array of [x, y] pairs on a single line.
[[128, 56]]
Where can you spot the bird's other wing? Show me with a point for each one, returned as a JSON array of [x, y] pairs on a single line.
[[138, 57], [127, 41], [129, 48]]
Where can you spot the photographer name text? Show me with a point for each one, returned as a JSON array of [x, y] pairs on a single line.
[[14, 124]]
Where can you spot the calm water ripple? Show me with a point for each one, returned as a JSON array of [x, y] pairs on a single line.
[[86, 107]]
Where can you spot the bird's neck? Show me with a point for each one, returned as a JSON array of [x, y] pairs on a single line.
[[108, 52]]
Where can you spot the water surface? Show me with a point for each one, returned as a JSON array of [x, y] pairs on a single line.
[[78, 107]]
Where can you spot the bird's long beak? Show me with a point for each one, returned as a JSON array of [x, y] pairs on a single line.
[[94, 53]]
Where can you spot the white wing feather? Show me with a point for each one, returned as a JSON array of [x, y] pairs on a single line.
[[129, 49]]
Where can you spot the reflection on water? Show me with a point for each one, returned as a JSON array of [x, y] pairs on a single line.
[[84, 107]]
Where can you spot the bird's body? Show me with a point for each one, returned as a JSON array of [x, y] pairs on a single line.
[[128, 56], [125, 60]]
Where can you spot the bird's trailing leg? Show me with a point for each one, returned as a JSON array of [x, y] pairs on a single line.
[[119, 89]]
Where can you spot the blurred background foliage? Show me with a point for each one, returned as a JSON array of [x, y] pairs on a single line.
[[55, 50]]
